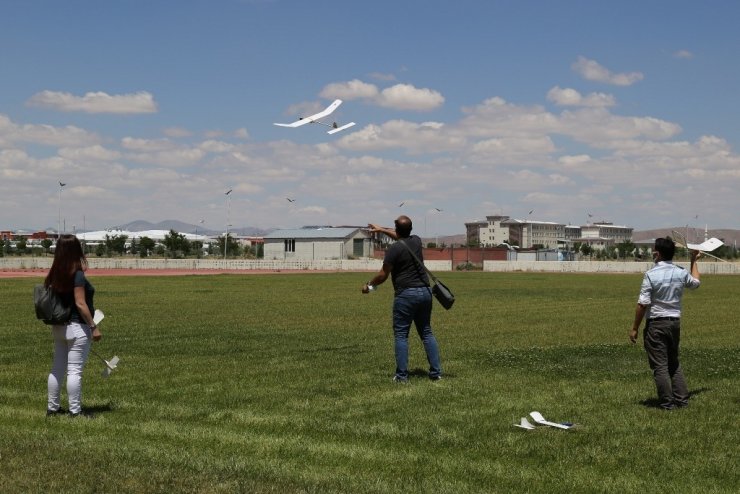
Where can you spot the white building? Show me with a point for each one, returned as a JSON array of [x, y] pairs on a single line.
[[156, 235], [494, 233], [318, 243], [527, 234], [604, 234]]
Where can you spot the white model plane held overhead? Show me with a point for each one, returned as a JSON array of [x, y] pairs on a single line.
[[315, 118], [705, 247]]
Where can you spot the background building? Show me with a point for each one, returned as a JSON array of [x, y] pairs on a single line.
[[318, 243], [604, 234], [528, 234]]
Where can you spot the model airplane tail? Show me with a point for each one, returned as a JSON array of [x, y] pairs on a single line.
[[524, 424], [538, 418], [110, 366]]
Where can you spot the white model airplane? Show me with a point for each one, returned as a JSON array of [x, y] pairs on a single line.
[[111, 364], [705, 247], [315, 118], [539, 419]]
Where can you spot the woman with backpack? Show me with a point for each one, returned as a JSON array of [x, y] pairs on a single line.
[[71, 340]]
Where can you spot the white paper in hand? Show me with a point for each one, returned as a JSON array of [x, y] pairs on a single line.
[[98, 316]]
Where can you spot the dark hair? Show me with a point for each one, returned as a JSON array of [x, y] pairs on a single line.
[[403, 226], [68, 259], [665, 247]]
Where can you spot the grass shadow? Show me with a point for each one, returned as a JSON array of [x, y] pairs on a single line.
[[419, 372], [655, 402], [99, 409]]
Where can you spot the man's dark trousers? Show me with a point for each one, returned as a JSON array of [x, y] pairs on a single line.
[[661, 338]]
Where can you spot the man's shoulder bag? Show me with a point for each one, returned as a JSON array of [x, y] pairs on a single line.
[[440, 291]]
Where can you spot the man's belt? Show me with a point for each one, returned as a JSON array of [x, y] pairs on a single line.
[[664, 319]]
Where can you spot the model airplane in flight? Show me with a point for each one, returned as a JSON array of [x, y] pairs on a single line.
[[316, 118]]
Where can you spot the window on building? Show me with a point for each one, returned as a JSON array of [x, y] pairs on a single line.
[[289, 245]]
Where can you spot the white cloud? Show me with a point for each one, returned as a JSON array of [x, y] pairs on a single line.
[[47, 135], [313, 210], [212, 146], [176, 132], [379, 76], [508, 149], [576, 161], [350, 90], [427, 137], [685, 54], [97, 102], [571, 97], [602, 129], [398, 97], [90, 153], [591, 70], [148, 145], [408, 97]]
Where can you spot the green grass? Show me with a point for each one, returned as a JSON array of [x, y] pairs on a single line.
[[282, 383]]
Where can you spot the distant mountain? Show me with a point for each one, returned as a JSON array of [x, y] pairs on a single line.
[[182, 227]]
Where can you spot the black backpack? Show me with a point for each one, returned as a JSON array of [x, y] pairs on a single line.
[[51, 307]]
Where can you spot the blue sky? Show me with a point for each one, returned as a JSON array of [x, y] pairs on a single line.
[[152, 110]]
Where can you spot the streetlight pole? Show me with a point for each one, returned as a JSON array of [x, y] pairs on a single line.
[[436, 228], [228, 212], [59, 220]]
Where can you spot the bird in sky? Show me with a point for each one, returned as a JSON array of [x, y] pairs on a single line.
[[531, 211], [290, 200], [440, 210], [61, 184], [404, 202]]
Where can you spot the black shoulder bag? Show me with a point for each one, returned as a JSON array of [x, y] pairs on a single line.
[[51, 307], [440, 291]]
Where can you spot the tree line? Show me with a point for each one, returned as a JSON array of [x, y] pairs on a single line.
[[174, 245]]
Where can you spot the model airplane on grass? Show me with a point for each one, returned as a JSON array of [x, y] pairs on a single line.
[[540, 420], [316, 118]]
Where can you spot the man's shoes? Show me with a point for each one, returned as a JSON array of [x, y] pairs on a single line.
[[435, 378], [400, 380], [82, 414], [58, 411]]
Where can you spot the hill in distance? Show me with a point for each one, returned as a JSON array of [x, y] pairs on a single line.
[[693, 235], [182, 227]]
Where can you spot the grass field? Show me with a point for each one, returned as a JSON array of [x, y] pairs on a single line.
[[282, 383]]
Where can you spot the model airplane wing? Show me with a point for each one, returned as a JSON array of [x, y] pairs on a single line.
[[339, 129], [707, 245], [315, 117], [537, 416]]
